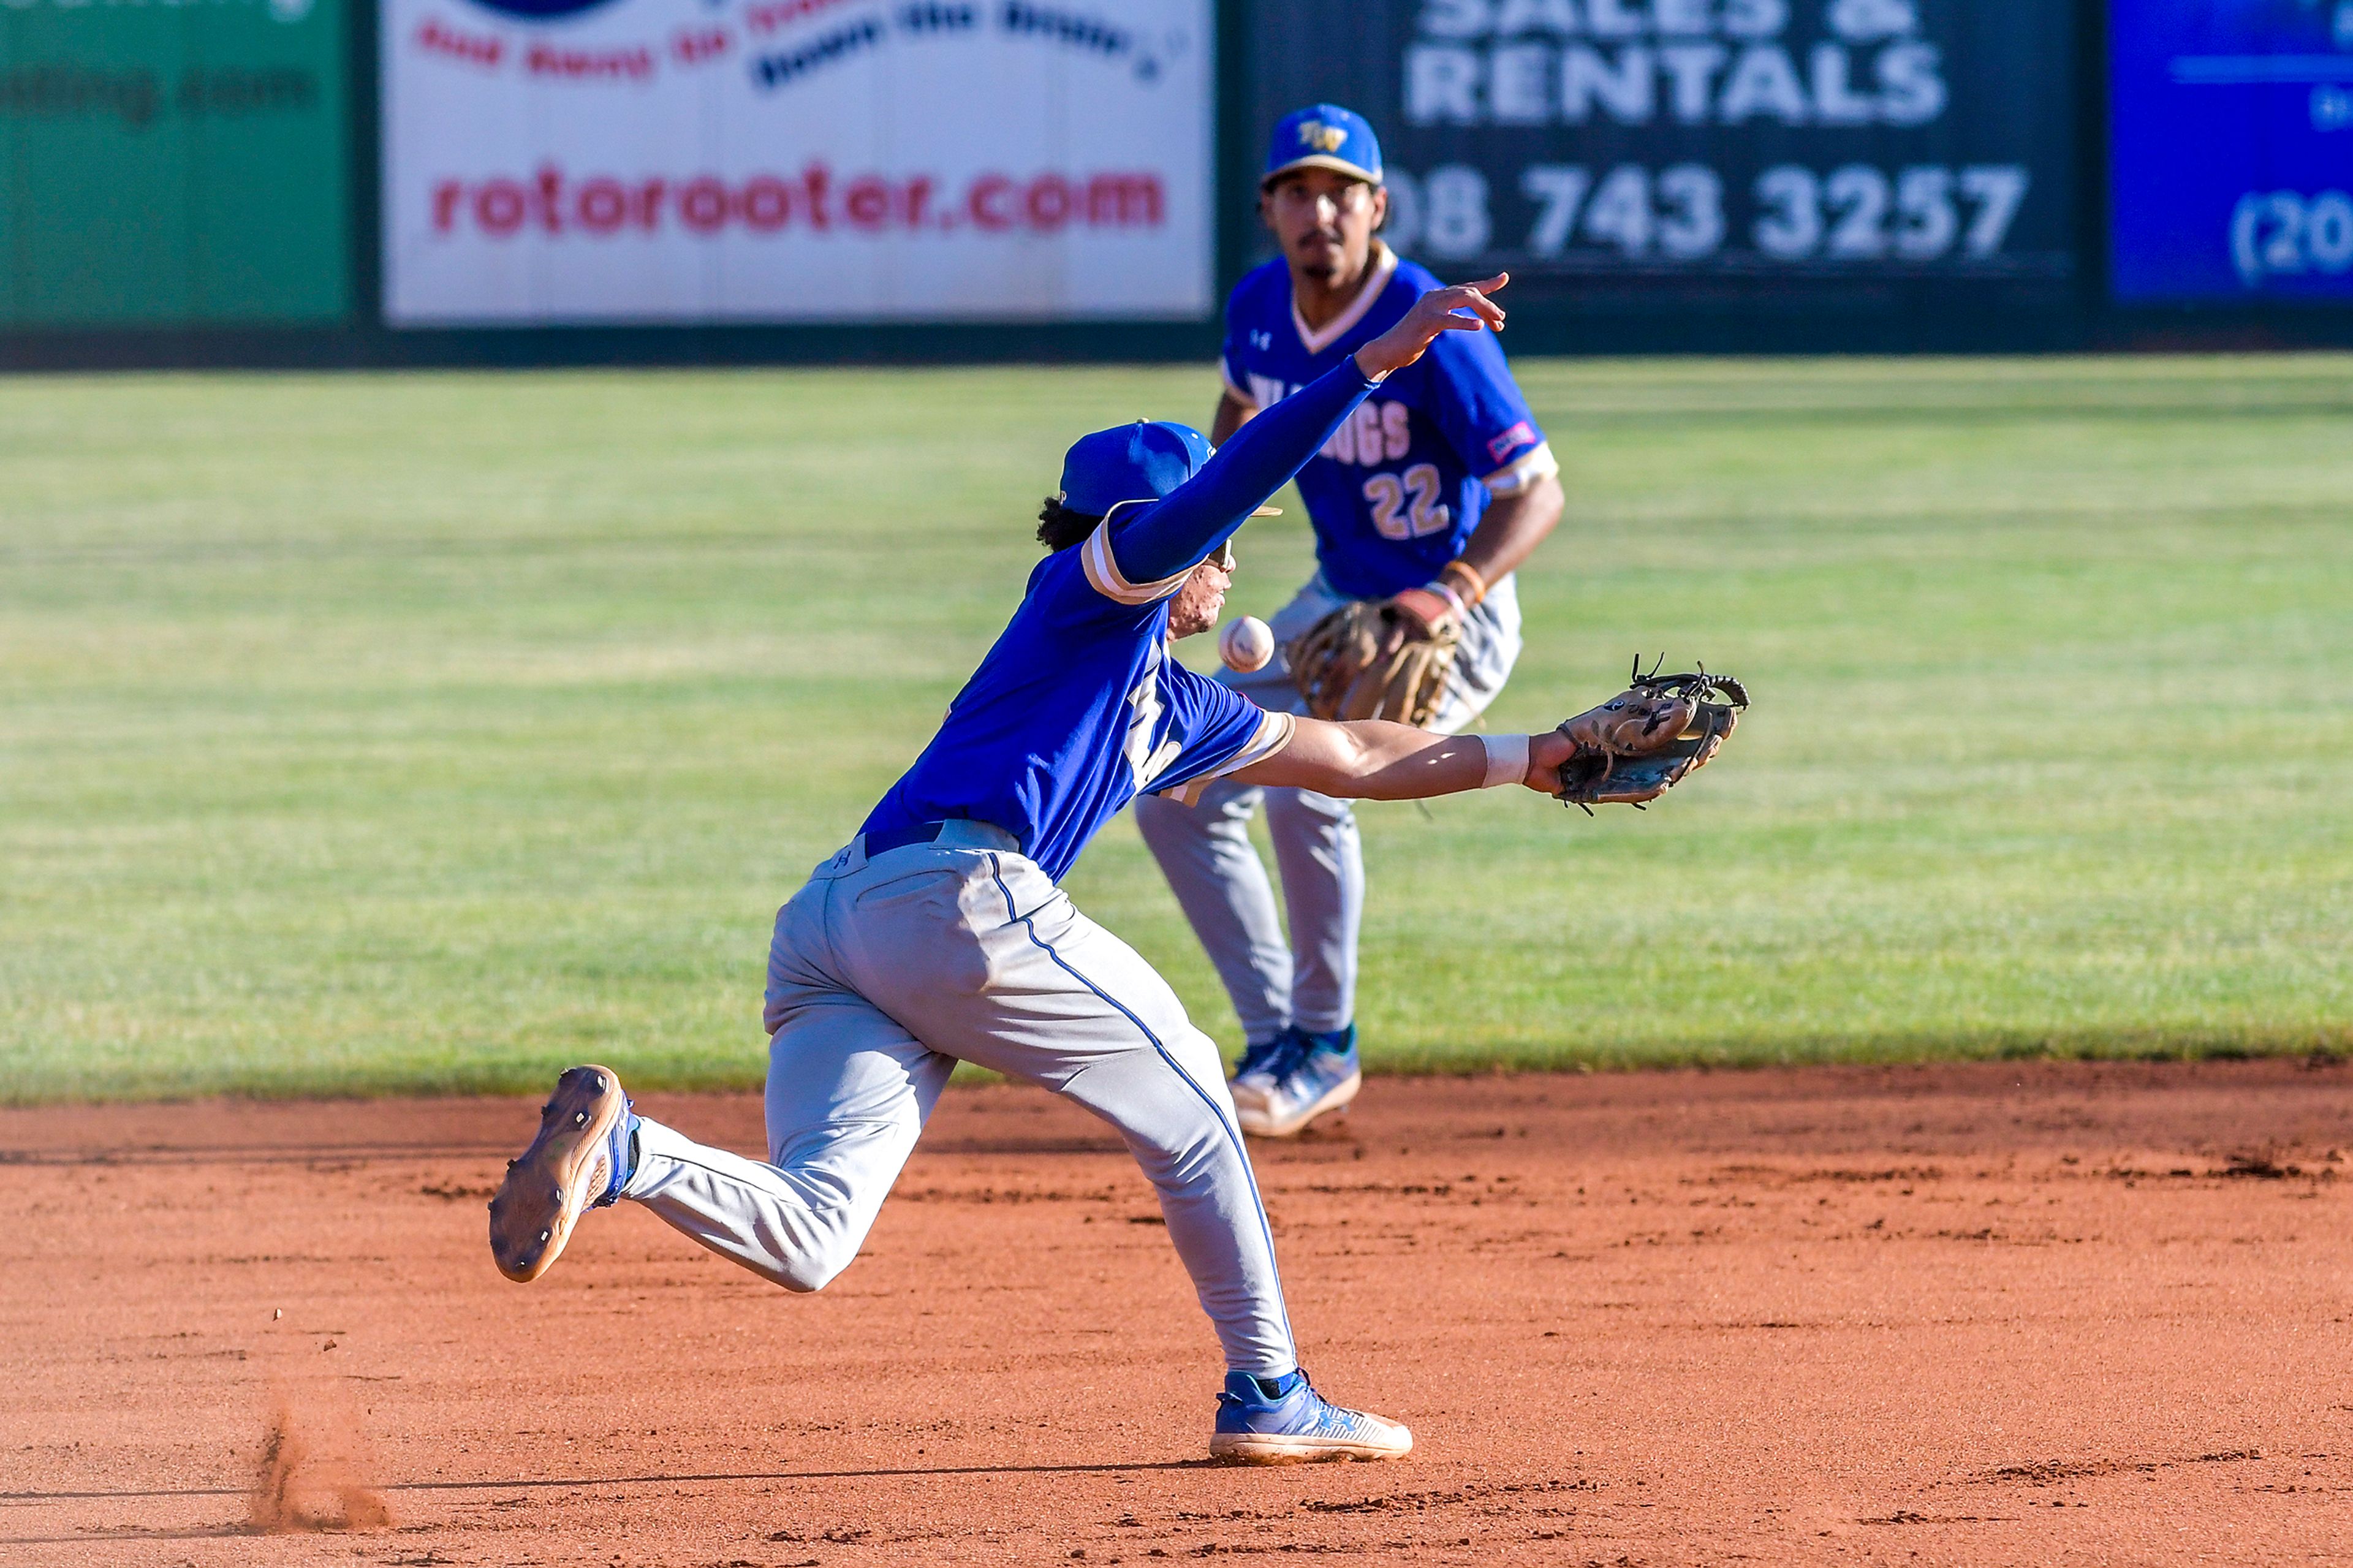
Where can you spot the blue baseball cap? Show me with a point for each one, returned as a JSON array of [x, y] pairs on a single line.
[[1323, 136], [1138, 462]]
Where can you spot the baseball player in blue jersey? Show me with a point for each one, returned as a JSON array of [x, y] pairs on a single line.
[[939, 934], [1426, 499]]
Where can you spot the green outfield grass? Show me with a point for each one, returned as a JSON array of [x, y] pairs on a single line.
[[378, 733]]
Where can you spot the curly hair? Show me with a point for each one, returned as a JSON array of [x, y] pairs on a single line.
[[1058, 527]]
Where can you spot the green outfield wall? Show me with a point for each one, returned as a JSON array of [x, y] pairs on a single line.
[[578, 182], [171, 164]]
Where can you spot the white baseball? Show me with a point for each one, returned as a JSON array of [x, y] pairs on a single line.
[[1246, 644]]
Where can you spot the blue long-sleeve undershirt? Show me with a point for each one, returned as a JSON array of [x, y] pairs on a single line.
[[1187, 526]]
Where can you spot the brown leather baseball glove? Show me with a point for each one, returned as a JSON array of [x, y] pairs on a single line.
[[1385, 658], [1649, 738]]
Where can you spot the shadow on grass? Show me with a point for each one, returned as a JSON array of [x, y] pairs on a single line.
[[2322, 1047], [2325, 1043]]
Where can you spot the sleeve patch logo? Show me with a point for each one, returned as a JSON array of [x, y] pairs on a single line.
[[1519, 434]]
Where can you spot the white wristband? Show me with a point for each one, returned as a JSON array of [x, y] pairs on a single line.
[[1445, 591], [1507, 760]]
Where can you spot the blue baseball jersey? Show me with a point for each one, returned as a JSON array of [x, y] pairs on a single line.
[[1397, 490], [1075, 712]]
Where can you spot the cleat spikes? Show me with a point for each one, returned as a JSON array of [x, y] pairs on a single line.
[[565, 1170]]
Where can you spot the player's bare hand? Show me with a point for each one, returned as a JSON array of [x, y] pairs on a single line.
[[1464, 307], [1545, 753]]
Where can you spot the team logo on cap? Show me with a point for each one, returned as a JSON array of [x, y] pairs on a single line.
[[1322, 137]]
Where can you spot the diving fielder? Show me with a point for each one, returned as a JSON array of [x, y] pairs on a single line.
[[939, 935], [1428, 498]]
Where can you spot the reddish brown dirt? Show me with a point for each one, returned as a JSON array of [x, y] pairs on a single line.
[[1970, 1315]]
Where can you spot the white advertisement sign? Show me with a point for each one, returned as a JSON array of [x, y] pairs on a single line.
[[618, 161]]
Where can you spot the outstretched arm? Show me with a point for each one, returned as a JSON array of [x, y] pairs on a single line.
[[1201, 515], [1372, 759]]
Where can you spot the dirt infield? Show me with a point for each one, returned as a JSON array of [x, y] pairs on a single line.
[[1979, 1314]]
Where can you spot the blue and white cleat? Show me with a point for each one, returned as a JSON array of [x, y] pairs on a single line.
[[1263, 1065], [1320, 1075], [585, 1155], [1283, 1421]]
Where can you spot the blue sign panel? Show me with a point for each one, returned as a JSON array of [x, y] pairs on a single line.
[[2233, 161]]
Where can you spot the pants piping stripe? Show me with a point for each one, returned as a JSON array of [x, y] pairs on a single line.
[[1233, 1136]]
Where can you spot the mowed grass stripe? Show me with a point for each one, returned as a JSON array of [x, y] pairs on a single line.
[[371, 734]]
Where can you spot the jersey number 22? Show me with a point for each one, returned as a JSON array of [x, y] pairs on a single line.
[[1410, 509]]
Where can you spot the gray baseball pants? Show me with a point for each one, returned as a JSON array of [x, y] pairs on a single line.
[[887, 972], [1219, 882]]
